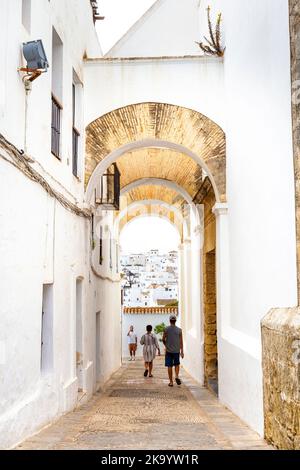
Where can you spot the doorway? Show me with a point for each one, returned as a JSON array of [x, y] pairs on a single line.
[[98, 348], [47, 330], [79, 352]]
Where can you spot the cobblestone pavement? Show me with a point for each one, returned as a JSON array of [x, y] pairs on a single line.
[[132, 412]]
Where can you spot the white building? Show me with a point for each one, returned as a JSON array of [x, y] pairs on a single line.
[[49, 291], [154, 279], [206, 142]]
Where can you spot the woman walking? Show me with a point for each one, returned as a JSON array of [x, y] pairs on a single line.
[[150, 343]]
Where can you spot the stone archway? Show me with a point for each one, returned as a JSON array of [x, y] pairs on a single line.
[[176, 155], [157, 125]]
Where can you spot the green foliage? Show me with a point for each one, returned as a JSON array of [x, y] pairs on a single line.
[[159, 330], [173, 304]]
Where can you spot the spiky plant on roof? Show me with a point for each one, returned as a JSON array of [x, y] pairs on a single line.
[[213, 46]]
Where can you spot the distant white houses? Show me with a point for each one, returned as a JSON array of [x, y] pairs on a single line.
[[150, 279]]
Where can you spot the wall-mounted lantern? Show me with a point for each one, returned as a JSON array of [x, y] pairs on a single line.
[[36, 59], [107, 192], [130, 277]]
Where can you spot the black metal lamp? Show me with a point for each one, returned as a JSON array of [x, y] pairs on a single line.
[[108, 191], [129, 279]]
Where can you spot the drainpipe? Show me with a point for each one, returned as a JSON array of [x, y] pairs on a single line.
[[28, 88]]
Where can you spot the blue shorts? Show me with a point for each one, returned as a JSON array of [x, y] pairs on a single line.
[[172, 359]]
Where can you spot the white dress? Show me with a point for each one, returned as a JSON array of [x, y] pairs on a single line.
[[150, 343]]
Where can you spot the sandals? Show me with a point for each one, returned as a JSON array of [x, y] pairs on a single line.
[[146, 373], [151, 375], [170, 384], [178, 381]]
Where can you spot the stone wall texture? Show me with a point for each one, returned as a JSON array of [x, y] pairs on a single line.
[[281, 375], [295, 77], [206, 196]]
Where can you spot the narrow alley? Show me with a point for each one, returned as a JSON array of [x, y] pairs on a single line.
[[137, 413]]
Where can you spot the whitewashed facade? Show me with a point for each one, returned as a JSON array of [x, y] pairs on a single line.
[[48, 257], [45, 249], [155, 279]]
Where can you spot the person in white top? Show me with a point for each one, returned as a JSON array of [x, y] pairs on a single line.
[[132, 343]]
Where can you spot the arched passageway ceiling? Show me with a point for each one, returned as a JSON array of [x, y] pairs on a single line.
[[152, 191], [158, 121], [160, 163]]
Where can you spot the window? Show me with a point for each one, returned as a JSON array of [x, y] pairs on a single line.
[[55, 127], [79, 337], [93, 228], [26, 14], [101, 246], [75, 140], [77, 122], [47, 329], [117, 258], [110, 253], [57, 93]]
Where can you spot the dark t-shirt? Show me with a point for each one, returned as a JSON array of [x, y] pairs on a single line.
[[173, 334]]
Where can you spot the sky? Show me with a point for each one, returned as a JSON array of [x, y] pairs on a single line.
[[120, 15], [146, 233]]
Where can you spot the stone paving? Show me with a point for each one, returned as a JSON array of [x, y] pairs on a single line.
[[132, 412]]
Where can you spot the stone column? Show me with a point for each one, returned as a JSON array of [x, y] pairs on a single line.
[[187, 283], [222, 267], [181, 285], [197, 281]]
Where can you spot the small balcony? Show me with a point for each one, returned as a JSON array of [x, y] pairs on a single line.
[[108, 190]]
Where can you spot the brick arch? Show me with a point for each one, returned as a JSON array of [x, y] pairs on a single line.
[[158, 122]]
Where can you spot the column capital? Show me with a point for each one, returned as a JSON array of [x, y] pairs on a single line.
[[220, 208]]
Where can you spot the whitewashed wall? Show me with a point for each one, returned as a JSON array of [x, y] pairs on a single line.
[[41, 242], [195, 83], [140, 322], [248, 95], [261, 217], [180, 33]]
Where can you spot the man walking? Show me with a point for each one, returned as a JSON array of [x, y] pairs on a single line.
[[132, 343], [172, 339]]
